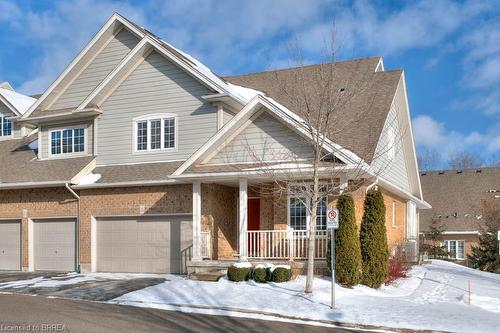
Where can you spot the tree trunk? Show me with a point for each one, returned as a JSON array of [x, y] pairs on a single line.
[[312, 235]]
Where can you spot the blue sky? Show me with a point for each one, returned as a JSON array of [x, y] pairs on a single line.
[[450, 50]]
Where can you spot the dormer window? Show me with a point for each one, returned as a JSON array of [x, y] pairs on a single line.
[[155, 132], [5, 126], [67, 141]]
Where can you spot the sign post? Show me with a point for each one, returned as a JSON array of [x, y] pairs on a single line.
[[332, 223], [498, 239]]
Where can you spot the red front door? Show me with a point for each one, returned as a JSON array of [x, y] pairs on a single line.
[[253, 224], [254, 214]]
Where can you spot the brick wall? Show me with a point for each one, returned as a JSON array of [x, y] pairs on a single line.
[[36, 203], [129, 201], [219, 215]]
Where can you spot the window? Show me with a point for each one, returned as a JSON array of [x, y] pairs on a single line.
[[298, 214], [67, 141], [455, 248], [155, 133], [5, 126], [394, 225]]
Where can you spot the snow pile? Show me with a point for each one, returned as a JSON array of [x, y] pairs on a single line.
[[19, 101], [242, 265], [432, 298], [89, 179]]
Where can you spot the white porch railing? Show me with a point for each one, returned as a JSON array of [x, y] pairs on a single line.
[[285, 244], [206, 245]]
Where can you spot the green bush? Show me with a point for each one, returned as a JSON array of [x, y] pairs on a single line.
[[261, 274], [373, 239], [347, 247], [239, 274], [281, 274]]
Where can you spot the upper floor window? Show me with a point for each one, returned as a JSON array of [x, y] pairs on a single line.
[[5, 126], [67, 141], [155, 132]]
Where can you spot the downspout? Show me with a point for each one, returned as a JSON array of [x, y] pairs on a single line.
[[371, 185], [77, 227]]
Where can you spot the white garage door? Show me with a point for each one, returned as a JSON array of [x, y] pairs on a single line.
[[54, 244], [10, 245], [143, 244]]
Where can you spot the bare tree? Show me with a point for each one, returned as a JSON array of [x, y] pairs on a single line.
[[465, 160], [320, 96], [428, 159]]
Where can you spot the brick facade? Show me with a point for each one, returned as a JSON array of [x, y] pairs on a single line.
[[219, 211], [219, 216], [28, 204], [128, 201]]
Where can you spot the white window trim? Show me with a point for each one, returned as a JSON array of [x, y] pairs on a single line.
[[6, 137], [448, 248], [308, 207], [72, 154], [394, 209], [149, 118]]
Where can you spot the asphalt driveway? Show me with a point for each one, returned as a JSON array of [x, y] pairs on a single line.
[[94, 287]]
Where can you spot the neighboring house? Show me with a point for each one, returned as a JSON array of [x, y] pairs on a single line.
[[140, 165], [458, 199]]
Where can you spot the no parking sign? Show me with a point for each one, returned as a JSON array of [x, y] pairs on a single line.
[[332, 218]]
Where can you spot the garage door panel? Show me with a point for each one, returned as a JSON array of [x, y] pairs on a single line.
[[54, 245], [142, 244], [10, 245]]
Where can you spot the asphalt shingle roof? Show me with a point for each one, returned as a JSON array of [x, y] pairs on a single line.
[[19, 164], [357, 124], [456, 197], [135, 172]]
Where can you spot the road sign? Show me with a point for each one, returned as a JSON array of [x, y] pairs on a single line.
[[332, 218]]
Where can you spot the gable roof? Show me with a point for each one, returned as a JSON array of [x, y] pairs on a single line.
[[17, 102], [365, 113], [459, 192], [20, 166]]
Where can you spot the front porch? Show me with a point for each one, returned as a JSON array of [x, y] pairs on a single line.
[[235, 222]]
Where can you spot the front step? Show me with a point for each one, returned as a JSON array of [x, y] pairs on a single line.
[[209, 276]]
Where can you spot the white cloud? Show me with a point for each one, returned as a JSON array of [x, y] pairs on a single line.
[[430, 133], [61, 33]]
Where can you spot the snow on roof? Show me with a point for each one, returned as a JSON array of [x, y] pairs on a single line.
[[19, 101]]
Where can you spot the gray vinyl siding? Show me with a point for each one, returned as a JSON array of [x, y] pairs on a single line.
[[97, 70], [394, 170], [16, 129], [155, 86], [45, 138], [226, 116], [265, 139]]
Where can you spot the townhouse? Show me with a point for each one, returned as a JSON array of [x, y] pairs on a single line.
[[138, 158], [459, 199]]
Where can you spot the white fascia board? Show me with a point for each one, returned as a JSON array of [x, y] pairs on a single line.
[[84, 172], [474, 232], [141, 46], [294, 121], [115, 17], [10, 106], [6, 186], [241, 116], [399, 191], [415, 159], [128, 184]]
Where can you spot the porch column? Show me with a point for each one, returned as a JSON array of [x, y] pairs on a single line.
[[344, 182], [243, 222], [196, 221]]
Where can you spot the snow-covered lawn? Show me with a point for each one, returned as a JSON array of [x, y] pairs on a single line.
[[434, 297]]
